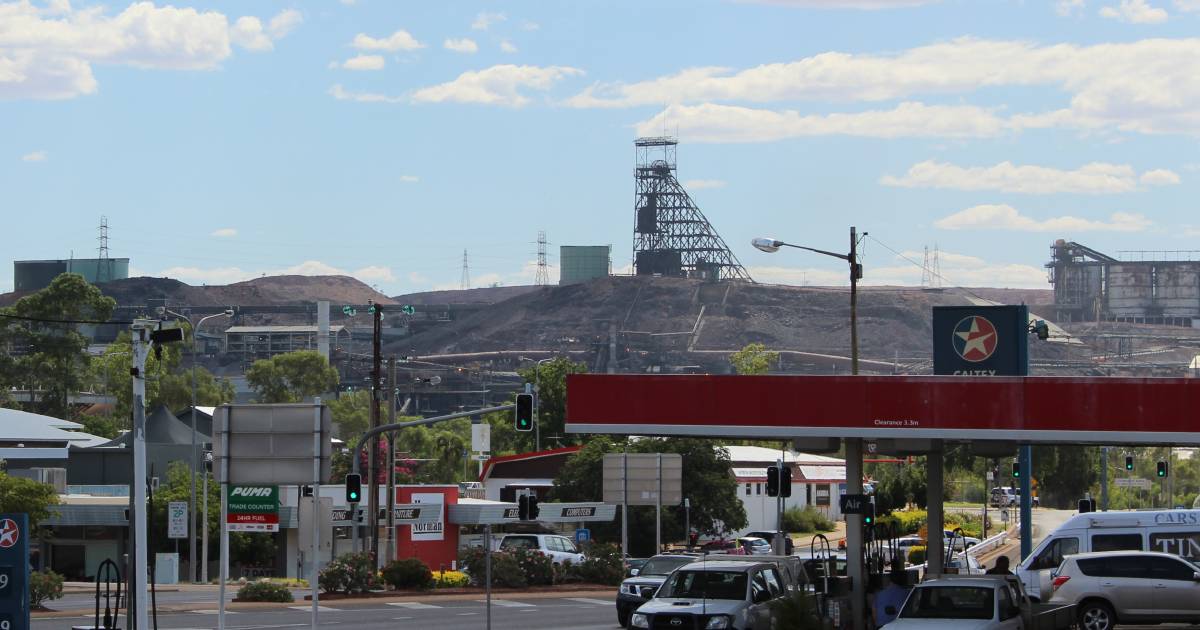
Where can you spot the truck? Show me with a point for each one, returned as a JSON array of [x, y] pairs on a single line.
[[718, 595], [978, 602]]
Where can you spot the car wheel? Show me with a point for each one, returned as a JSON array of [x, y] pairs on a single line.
[[623, 617], [1096, 616]]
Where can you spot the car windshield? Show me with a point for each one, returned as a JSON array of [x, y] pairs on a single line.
[[949, 602], [705, 585], [663, 566]]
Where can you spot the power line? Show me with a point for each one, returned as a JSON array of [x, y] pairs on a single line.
[[63, 321]]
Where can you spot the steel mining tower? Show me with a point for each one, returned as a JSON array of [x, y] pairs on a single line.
[[672, 237]]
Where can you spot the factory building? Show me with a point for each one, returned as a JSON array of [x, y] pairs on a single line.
[[580, 263], [34, 275], [1160, 288]]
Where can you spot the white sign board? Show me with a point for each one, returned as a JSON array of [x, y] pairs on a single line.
[[642, 470], [481, 437], [177, 519], [271, 444], [1132, 482], [324, 520], [433, 530]]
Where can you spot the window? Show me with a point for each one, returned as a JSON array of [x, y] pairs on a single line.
[[567, 545], [1052, 555], [705, 584], [748, 488], [758, 488], [1133, 567], [1008, 609], [519, 542], [759, 591], [1170, 569], [949, 602], [773, 582], [1117, 542], [554, 543]]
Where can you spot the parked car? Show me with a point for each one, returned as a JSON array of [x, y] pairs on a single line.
[[716, 595], [645, 580], [559, 548], [1169, 531], [1111, 587], [1008, 496], [983, 602], [754, 546], [768, 535], [633, 565]]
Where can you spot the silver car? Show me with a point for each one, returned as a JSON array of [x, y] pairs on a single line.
[[1111, 587]]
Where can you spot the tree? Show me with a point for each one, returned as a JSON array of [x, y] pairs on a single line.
[[753, 359], [707, 482], [168, 382], [291, 377], [351, 412], [34, 498], [47, 352], [551, 380], [1064, 473], [102, 426]]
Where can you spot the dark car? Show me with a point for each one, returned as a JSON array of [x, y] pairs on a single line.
[[769, 536], [636, 590]]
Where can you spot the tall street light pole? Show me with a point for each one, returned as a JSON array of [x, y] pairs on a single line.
[[192, 513], [854, 446]]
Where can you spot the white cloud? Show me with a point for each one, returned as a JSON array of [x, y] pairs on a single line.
[[1146, 86], [727, 123], [956, 270], [845, 4], [1095, 178], [400, 40], [1187, 6], [35, 156], [409, 179], [341, 94], [364, 62], [497, 85], [1005, 217], [283, 23], [700, 184], [1159, 177], [48, 52], [485, 20], [507, 46], [225, 233], [527, 25], [1135, 12], [464, 45], [227, 275], [1069, 7]]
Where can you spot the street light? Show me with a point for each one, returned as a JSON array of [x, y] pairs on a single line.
[[854, 446], [192, 503]]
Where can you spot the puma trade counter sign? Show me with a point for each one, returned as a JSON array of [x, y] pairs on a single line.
[[253, 509]]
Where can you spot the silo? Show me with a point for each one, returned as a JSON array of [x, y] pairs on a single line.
[[580, 263]]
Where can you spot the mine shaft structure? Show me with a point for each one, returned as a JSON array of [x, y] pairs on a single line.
[[671, 236]]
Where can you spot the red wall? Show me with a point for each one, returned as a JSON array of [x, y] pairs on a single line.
[[437, 554]]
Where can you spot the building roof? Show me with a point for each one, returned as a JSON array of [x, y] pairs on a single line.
[[280, 329], [521, 457], [823, 473], [34, 436], [740, 454], [162, 427], [16, 417]]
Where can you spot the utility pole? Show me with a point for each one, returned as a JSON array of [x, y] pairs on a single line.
[[391, 463], [854, 463], [140, 342], [372, 463]]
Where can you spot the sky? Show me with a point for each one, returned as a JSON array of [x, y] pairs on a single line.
[[224, 141]]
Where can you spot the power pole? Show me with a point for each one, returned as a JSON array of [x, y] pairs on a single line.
[[137, 516], [465, 281], [391, 463], [372, 464]]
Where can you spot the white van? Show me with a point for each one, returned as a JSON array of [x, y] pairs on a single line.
[[1170, 531]]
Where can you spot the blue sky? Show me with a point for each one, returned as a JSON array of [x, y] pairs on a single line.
[[227, 140]]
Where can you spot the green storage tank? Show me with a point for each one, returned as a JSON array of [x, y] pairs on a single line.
[[580, 263]]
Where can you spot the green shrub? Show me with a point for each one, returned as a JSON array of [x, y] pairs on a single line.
[[601, 564], [44, 586], [905, 522], [408, 573], [797, 611], [506, 572], [350, 573], [265, 591], [537, 566], [916, 555], [806, 520]]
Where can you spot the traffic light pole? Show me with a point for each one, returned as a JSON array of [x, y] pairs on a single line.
[[354, 453]]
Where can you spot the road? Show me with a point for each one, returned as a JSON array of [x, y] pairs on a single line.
[[512, 613]]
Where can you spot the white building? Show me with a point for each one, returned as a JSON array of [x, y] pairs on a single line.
[[816, 480]]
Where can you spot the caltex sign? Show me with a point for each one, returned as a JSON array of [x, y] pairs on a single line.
[[981, 340], [252, 509]]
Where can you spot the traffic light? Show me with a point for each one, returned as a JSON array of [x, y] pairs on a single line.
[[1129, 462], [772, 481], [524, 415], [1162, 469], [785, 482], [527, 507], [353, 488], [533, 507], [1016, 470], [869, 514], [1087, 505], [1041, 329]]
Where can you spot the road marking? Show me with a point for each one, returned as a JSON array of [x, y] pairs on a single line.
[[508, 603], [211, 612], [413, 605], [585, 600], [466, 614], [319, 608], [401, 618]]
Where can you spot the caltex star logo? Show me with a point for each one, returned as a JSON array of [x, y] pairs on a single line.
[[9, 533], [974, 338]]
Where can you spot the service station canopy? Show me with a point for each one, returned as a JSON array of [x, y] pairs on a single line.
[[954, 408]]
